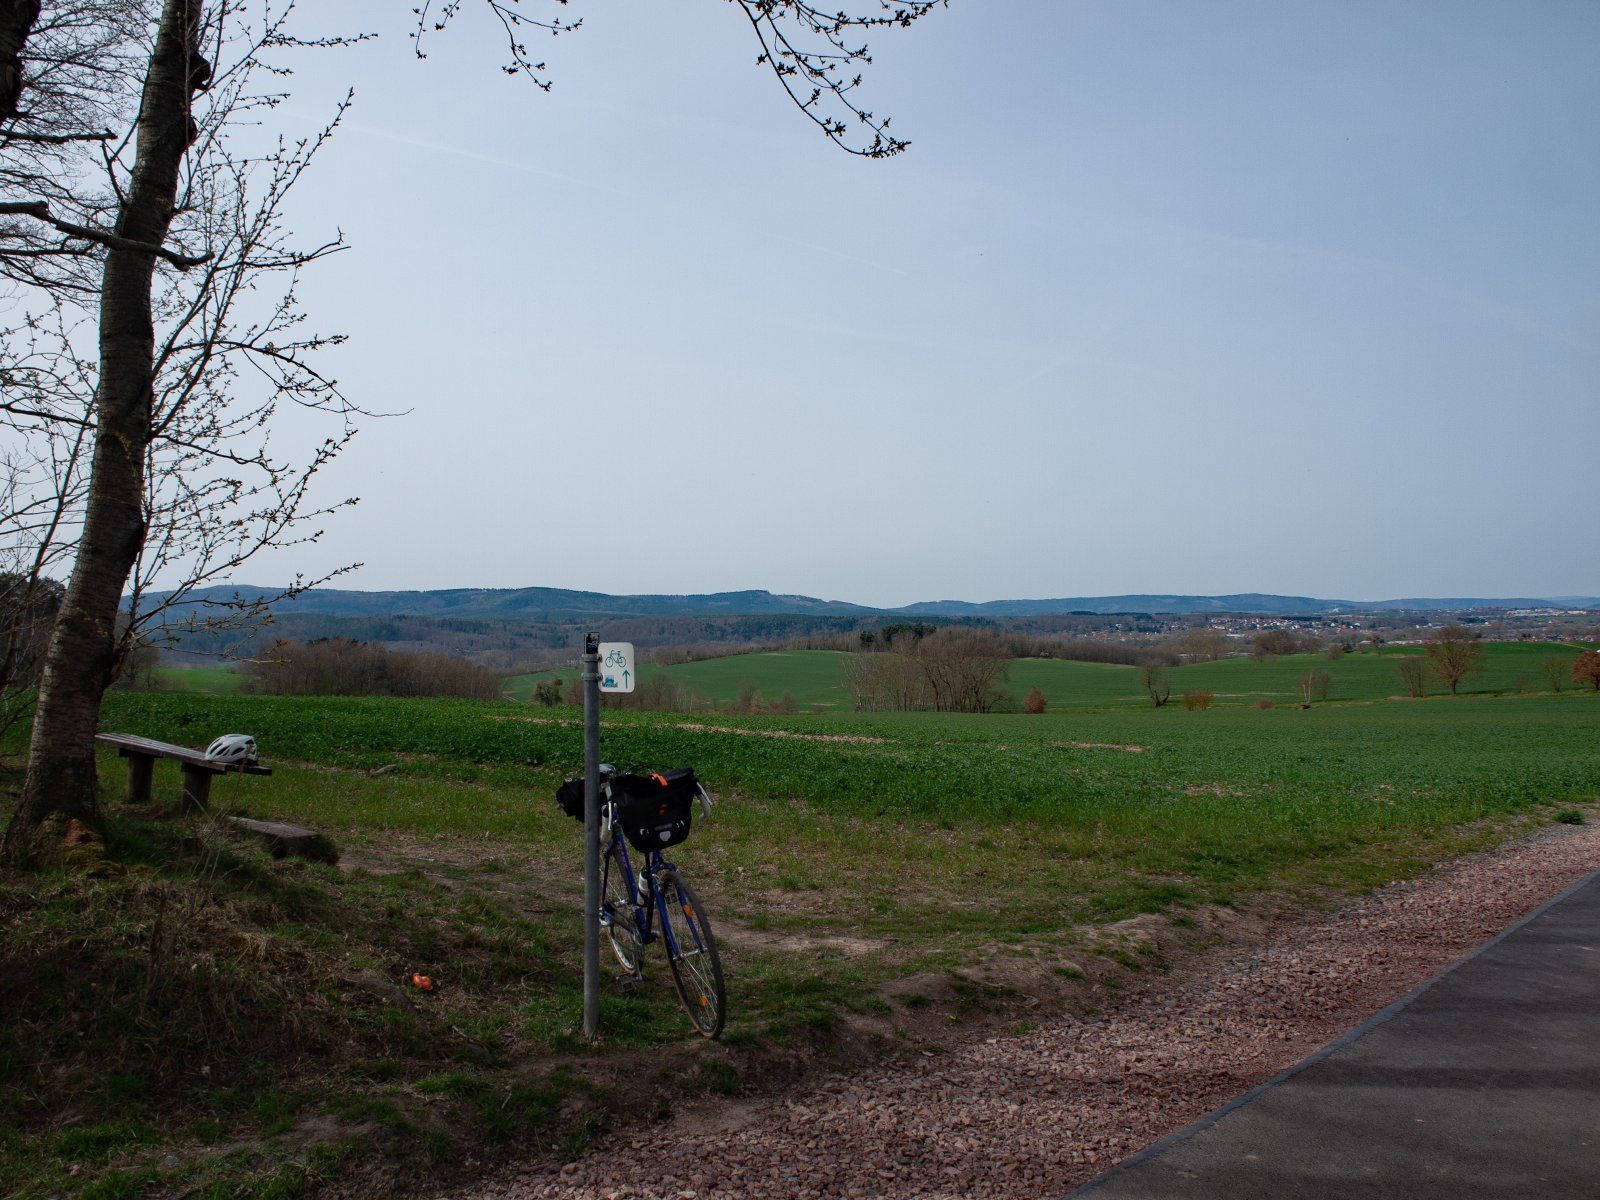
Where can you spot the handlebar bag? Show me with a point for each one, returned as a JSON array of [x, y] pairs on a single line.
[[655, 810], [570, 797]]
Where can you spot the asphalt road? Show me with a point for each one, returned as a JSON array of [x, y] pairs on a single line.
[[1483, 1083]]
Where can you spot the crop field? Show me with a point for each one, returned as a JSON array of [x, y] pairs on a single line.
[[1223, 797]]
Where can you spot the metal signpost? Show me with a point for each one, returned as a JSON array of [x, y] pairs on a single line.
[[607, 667]]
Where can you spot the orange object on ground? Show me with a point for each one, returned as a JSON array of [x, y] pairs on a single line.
[[421, 982]]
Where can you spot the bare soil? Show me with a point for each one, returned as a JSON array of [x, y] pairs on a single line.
[[1038, 1110]]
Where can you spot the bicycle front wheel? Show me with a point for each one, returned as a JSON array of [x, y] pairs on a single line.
[[617, 912], [692, 952]]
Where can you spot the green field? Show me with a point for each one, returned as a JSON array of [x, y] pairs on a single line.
[[812, 677], [207, 681], [1281, 784], [816, 677]]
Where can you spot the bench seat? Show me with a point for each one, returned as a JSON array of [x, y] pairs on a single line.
[[198, 770]]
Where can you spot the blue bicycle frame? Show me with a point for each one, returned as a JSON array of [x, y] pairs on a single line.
[[644, 915]]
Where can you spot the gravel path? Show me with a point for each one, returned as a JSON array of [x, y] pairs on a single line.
[[1037, 1114]]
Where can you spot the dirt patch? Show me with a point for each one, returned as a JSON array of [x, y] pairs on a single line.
[[1213, 789], [1126, 749], [796, 943], [862, 739]]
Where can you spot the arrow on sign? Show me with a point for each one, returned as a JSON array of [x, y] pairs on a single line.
[[625, 677]]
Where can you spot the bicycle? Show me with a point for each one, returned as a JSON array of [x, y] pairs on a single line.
[[651, 811]]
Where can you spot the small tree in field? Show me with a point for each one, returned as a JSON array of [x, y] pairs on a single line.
[[1197, 701], [1157, 681], [1455, 654], [1586, 669], [1413, 674], [1034, 702], [1555, 670]]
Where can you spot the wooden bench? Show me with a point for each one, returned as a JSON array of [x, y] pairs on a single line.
[[198, 770]]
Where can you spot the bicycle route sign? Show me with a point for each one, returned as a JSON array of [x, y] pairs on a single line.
[[616, 667]]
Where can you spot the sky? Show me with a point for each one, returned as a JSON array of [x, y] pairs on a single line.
[[1208, 298]]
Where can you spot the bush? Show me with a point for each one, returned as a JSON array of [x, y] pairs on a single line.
[[1197, 701], [1270, 643], [342, 667], [1034, 702], [1412, 671], [1263, 705], [1586, 669]]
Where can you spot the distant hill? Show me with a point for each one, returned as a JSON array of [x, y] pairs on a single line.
[[536, 604], [560, 605]]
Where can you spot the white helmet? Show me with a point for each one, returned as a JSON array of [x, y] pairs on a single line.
[[232, 748]]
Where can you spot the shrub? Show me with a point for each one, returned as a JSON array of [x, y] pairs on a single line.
[[342, 667], [1263, 705], [1412, 671], [1197, 701], [1270, 643], [1034, 703]]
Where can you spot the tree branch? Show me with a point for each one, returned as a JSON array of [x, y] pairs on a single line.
[[39, 210]]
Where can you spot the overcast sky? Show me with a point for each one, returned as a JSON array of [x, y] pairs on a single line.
[[1164, 297]]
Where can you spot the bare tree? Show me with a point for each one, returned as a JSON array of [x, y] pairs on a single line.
[[1201, 645], [173, 411], [963, 670], [1454, 654], [1270, 643], [885, 682], [1157, 682], [1315, 685], [1556, 670], [1412, 671]]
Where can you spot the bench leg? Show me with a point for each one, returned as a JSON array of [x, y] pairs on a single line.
[[140, 768], [196, 788]]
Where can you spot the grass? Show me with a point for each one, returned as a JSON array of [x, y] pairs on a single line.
[[207, 681], [883, 868]]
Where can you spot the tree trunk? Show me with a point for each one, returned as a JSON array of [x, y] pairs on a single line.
[[83, 646], [16, 22]]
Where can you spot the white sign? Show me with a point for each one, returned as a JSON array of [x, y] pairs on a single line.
[[616, 667]]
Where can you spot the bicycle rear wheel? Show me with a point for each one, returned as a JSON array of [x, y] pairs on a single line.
[[617, 914], [692, 953]]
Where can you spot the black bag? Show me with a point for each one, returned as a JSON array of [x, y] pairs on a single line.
[[570, 797], [655, 810]]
